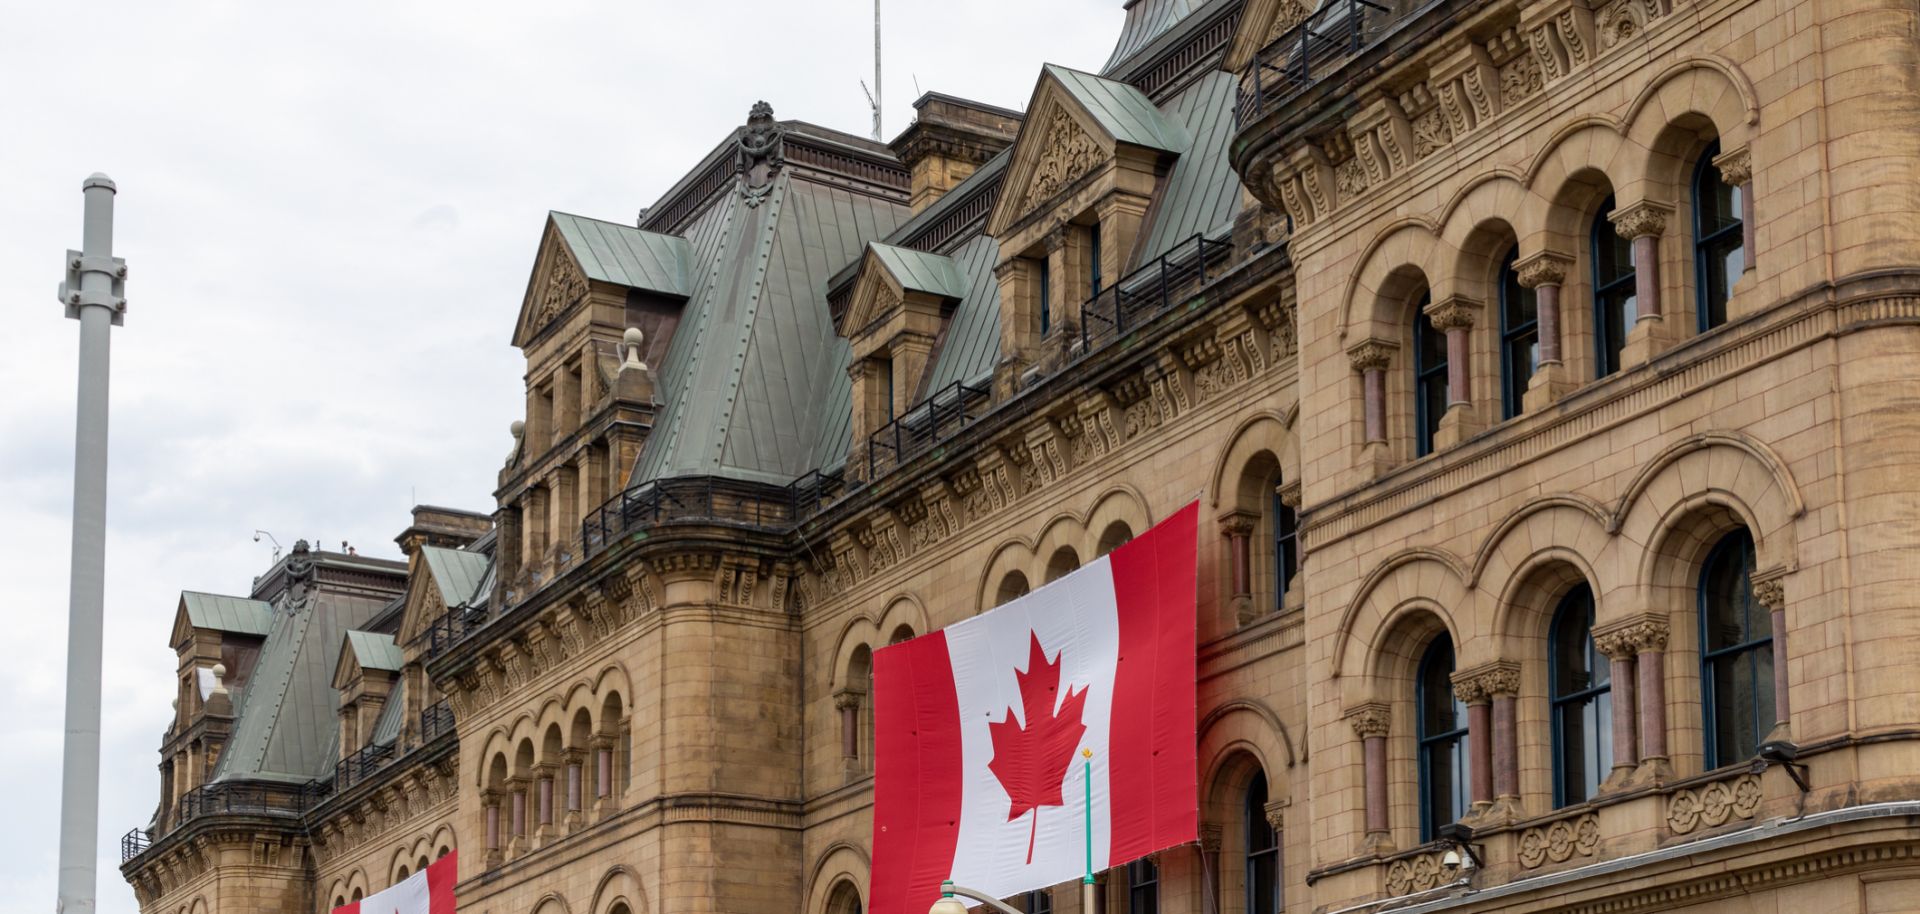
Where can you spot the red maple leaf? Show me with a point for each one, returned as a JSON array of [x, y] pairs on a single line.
[[1031, 761]]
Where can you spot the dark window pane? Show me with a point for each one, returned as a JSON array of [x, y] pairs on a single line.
[[1614, 306], [1263, 851], [1046, 297], [1519, 336], [1444, 775], [1579, 677], [1737, 653], [1143, 888], [1429, 377], [1719, 253]]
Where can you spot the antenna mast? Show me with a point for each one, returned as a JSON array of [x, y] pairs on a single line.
[[876, 71]]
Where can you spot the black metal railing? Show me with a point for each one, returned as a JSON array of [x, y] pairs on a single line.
[[453, 625], [1151, 290], [134, 843], [436, 720], [247, 799], [706, 499], [920, 429], [356, 767], [1305, 53]]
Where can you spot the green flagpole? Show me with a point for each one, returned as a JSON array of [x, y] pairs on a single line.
[[1088, 879]]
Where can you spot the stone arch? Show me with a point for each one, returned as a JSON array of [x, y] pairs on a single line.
[[620, 885], [1570, 528], [1406, 581], [843, 897], [1392, 669], [1065, 531], [612, 681], [1064, 561], [1397, 263], [840, 863], [1113, 536], [552, 711], [1118, 505], [1247, 722], [444, 842], [356, 886], [1223, 799], [1728, 469], [1264, 432], [1480, 224], [337, 893], [1007, 560], [1711, 87], [199, 905], [859, 634], [552, 903], [1578, 159], [400, 866], [906, 612], [494, 746]]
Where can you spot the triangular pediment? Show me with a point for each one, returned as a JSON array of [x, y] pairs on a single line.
[[888, 274], [1262, 23], [1075, 125], [557, 286], [346, 667], [424, 604]]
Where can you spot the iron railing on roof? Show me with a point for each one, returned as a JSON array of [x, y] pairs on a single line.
[[242, 798], [436, 720], [356, 767], [450, 629], [135, 843], [703, 499], [1151, 290], [924, 427], [1305, 53]]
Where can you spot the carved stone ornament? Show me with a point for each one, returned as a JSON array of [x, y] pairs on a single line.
[[565, 288], [1643, 218], [760, 149], [1714, 805], [1371, 354], [1291, 13], [1369, 720], [1770, 591], [1560, 841], [1545, 268], [1637, 636], [1736, 166], [1068, 154], [1467, 689], [299, 576], [1455, 312], [1413, 874]]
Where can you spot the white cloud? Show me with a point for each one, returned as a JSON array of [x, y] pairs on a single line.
[[330, 212]]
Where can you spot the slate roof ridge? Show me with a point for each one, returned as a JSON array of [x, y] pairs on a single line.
[[920, 271], [1130, 109]]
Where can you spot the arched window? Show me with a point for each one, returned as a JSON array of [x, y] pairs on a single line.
[[1263, 851], [1519, 336], [1012, 587], [1719, 253], [1143, 887], [1581, 698], [1429, 378], [1614, 306], [1443, 741], [1286, 549], [1736, 654]]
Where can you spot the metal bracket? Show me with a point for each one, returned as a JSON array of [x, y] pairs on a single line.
[[77, 298], [948, 888]]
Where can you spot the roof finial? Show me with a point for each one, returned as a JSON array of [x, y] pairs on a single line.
[[633, 338]]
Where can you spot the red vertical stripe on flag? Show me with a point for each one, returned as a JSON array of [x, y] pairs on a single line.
[[441, 875], [1152, 767], [917, 774], [351, 907]]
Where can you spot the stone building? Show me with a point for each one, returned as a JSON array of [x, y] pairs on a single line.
[[1547, 370]]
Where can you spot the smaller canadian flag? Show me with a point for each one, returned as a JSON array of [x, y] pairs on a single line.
[[429, 891]]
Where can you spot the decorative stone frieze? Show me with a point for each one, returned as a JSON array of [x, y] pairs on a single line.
[[1070, 154], [1690, 809], [1558, 842], [1414, 874]]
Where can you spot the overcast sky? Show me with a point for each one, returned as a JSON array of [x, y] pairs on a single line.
[[329, 213]]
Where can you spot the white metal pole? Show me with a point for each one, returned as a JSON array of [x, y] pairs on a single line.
[[92, 295], [876, 72]]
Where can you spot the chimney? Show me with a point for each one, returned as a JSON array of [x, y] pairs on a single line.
[[949, 139], [449, 527]]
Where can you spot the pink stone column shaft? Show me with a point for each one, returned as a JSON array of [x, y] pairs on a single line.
[[1506, 757], [604, 766], [573, 786], [1623, 707], [520, 811], [546, 800], [1458, 391], [1653, 705], [1782, 710], [1242, 580], [493, 826], [1547, 313], [1480, 751], [1376, 773], [1646, 276], [849, 730], [1748, 230], [1374, 381]]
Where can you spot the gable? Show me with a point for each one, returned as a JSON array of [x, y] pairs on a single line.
[[1076, 125], [556, 287], [888, 274], [1262, 23], [424, 605]]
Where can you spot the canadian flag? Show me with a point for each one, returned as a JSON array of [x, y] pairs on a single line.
[[1048, 737], [429, 891]]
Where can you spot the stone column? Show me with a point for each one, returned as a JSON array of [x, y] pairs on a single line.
[[1370, 357], [1210, 836], [1736, 170], [491, 801], [575, 761], [1456, 316], [1238, 526], [543, 794], [1650, 647], [847, 701], [1619, 647], [603, 767], [1769, 590], [517, 788], [1544, 273], [1370, 725], [1470, 689], [1643, 223], [1502, 685]]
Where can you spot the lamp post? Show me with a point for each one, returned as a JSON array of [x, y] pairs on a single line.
[[94, 295]]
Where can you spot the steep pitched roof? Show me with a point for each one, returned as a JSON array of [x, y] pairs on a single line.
[[374, 651], [222, 613], [1148, 20], [920, 271], [626, 256], [1122, 110], [456, 572]]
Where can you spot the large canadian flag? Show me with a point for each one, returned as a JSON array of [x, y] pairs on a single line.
[[429, 891], [994, 737]]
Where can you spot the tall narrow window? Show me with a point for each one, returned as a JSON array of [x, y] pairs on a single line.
[[1040, 901], [886, 387], [1046, 296], [1519, 336], [1736, 654], [1443, 741], [1093, 260], [1263, 851], [1429, 378], [1614, 306], [1582, 704], [1719, 253], [1143, 887], [1286, 555]]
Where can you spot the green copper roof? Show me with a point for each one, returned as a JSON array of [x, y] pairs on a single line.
[[386, 727], [919, 271], [374, 651], [1147, 20], [624, 255], [227, 614], [1124, 112], [458, 574], [1201, 194]]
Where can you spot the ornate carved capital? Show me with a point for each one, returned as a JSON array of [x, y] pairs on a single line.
[[1629, 637], [1488, 680], [1289, 493], [847, 697], [1467, 688], [1371, 354], [1646, 217], [1276, 813], [1770, 589], [1456, 311], [1545, 268], [1370, 719], [1210, 838], [1736, 166], [1238, 523]]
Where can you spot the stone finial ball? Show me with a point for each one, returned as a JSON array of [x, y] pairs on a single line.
[[517, 427], [219, 671], [634, 337]]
